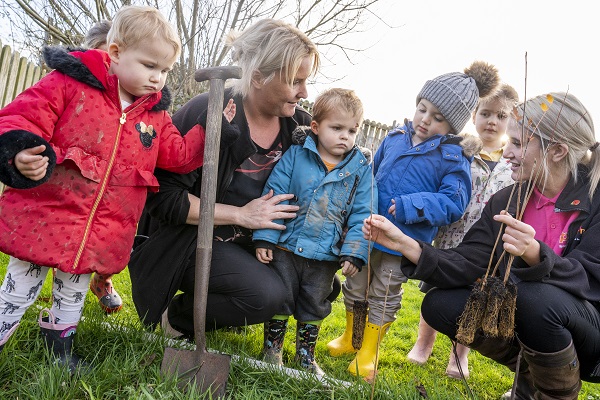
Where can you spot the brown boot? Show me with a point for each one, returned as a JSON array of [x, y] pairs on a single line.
[[555, 375], [506, 352]]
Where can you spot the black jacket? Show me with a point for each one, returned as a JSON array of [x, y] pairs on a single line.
[[577, 271], [157, 265]]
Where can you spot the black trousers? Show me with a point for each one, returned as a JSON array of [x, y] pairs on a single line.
[[241, 291], [547, 319]]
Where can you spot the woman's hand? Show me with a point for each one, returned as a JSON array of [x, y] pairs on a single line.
[[31, 164], [379, 229], [519, 238], [260, 213]]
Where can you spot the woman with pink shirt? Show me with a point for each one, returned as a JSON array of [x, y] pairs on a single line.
[[556, 266]]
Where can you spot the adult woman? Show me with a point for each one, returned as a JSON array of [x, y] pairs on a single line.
[[276, 61], [557, 257]]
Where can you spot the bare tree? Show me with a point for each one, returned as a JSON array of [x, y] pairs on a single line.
[[202, 25]]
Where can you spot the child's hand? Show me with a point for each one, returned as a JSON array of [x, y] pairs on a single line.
[[229, 111], [392, 209], [31, 164], [349, 269], [265, 256]]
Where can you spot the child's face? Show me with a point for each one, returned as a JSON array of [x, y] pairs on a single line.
[[491, 121], [141, 69], [336, 134], [428, 121]]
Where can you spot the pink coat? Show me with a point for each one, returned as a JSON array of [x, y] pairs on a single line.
[[84, 218]]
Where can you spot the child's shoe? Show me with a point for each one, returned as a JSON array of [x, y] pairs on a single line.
[[343, 344], [108, 298], [306, 339], [59, 340], [273, 343]]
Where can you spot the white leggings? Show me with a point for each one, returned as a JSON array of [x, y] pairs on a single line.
[[22, 285]]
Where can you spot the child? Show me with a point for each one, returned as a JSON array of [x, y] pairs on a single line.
[[102, 285], [333, 185], [82, 145], [424, 182], [96, 36], [490, 172]]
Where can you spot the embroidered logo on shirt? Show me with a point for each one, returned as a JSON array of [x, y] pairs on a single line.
[[147, 133], [575, 202]]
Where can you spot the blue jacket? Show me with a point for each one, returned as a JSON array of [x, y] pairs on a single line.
[[329, 202], [430, 182]]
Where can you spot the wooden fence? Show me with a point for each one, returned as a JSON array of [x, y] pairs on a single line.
[[371, 133], [17, 74]]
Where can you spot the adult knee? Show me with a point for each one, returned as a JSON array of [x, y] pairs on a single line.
[[441, 309]]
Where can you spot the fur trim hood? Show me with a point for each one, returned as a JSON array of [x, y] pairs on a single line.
[[90, 66]]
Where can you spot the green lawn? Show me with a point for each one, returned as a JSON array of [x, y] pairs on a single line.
[[126, 361]]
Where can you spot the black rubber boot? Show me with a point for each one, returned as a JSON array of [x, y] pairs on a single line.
[[273, 345], [555, 375], [306, 340], [59, 339]]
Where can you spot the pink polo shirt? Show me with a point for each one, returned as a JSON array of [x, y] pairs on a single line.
[[550, 226]]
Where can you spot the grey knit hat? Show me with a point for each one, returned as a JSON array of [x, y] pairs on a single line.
[[456, 94]]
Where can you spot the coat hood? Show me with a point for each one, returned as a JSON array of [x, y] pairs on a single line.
[[300, 134], [470, 144], [90, 66]]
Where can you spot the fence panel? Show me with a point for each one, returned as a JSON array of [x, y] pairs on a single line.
[[16, 74], [371, 133]]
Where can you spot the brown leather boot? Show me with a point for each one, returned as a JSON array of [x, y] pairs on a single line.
[[555, 375], [506, 352]]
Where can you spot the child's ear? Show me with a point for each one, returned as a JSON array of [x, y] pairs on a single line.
[[314, 126], [113, 51]]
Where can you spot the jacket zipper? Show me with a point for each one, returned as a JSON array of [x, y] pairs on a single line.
[[353, 191], [103, 184]]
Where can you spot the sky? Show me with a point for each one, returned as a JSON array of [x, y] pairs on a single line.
[[537, 46]]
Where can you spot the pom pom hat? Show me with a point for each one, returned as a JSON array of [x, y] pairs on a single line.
[[456, 94]]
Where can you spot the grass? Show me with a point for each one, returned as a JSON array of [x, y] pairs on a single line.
[[126, 361]]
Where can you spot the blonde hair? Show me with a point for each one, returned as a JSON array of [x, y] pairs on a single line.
[[335, 99], [132, 25], [96, 36], [560, 117], [270, 46], [506, 95]]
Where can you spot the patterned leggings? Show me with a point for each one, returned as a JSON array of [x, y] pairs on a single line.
[[22, 285]]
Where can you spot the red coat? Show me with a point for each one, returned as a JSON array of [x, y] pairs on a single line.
[[84, 218]]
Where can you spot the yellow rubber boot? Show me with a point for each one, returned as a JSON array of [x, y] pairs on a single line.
[[343, 344], [364, 362]]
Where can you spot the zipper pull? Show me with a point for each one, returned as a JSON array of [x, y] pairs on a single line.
[[123, 119]]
